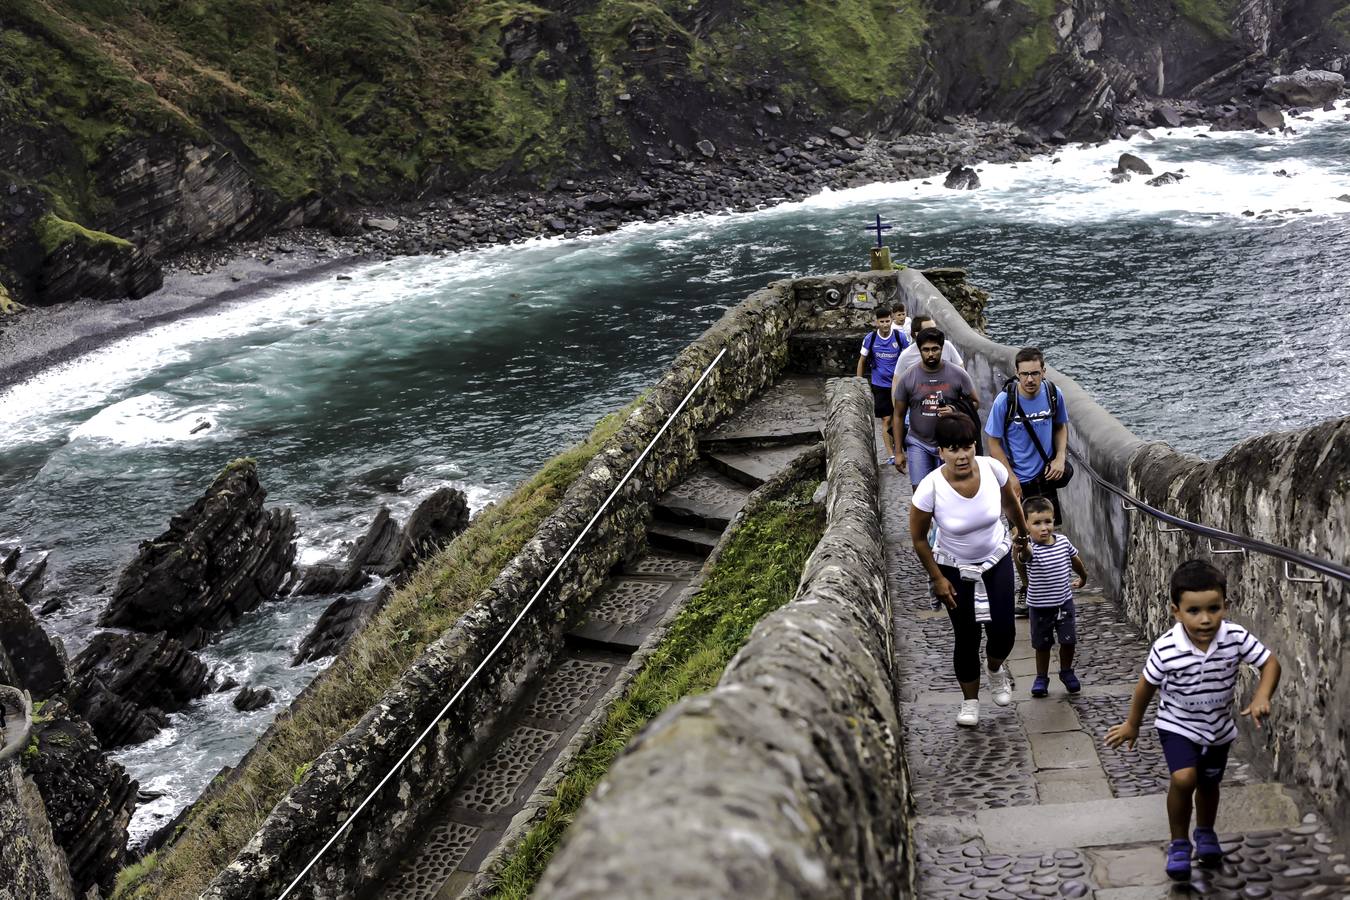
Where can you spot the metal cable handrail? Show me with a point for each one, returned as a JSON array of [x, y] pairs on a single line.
[[521, 615], [1129, 502]]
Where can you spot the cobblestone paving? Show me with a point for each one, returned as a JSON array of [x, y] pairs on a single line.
[[793, 406], [968, 871], [956, 770], [1109, 651], [1143, 771], [1300, 861]]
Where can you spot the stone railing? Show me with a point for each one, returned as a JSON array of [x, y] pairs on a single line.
[[754, 334], [787, 780]]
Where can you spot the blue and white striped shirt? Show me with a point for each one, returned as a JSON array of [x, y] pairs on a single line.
[[1196, 696], [1049, 572]]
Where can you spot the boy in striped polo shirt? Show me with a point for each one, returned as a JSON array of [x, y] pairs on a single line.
[[1196, 664], [1044, 565]]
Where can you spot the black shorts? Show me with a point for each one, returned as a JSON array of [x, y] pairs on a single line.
[[1050, 622], [881, 402]]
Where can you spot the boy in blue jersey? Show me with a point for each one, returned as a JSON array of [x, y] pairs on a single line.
[[1194, 667], [1031, 438], [882, 349]]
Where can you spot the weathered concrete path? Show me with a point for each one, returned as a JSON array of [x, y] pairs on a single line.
[[689, 520], [1032, 803]]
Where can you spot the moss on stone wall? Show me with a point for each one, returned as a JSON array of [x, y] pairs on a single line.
[[53, 232], [1214, 16], [850, 54]]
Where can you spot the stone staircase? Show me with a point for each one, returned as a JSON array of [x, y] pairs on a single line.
[[688, 521], [1031, 803]]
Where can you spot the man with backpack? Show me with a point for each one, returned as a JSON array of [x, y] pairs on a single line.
[[1028, 431], [880, 350]]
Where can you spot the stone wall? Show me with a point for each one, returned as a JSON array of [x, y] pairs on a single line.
[[754, 333], [787, 780], [1290, 489]]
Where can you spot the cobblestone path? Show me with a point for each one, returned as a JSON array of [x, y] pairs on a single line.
[[689, 519], [1032, 804]]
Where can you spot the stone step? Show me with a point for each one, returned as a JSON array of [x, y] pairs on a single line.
[[624, 613], [1126, 820], [682, 538], [705, 499], [791, 411], [454, 845], [754, 466]]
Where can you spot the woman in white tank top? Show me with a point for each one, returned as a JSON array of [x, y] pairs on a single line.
[[971, 567]]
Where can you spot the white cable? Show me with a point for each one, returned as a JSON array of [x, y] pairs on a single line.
[[493, 651]]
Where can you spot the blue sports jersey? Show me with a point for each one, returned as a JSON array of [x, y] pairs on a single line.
[[884, 352], [1017, 444]]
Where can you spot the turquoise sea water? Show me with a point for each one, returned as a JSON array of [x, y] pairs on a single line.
[[1190, 321]]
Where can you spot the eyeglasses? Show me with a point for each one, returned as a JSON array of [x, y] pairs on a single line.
[[1030, 374]]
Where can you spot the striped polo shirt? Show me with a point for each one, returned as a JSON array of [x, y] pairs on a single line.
[[1196, 688], [1049, 572]]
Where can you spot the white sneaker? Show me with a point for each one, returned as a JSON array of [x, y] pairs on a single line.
[[969, 714], [1001, 685]]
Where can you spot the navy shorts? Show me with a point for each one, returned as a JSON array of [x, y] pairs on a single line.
[[1049, 622], [881, 402], [1183, 753]]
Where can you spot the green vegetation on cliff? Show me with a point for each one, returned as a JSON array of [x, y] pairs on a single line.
[[438, 594], [53, 232], [758, 572]]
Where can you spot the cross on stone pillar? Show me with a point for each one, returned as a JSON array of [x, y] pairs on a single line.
[[881, 254]]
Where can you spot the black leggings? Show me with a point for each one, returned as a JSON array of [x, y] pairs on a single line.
[[1001, 628]]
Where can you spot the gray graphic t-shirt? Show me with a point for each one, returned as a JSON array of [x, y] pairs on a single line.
[[923, 392]]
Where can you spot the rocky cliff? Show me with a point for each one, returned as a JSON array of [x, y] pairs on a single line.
[[130, 129]]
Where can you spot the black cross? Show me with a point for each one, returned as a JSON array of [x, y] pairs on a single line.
[[878, 228]]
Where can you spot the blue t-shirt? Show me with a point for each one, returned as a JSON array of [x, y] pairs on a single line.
[[884, 352], [1017, 444]]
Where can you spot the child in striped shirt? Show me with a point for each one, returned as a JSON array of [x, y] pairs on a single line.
[[1195, 664], [1044, 565]]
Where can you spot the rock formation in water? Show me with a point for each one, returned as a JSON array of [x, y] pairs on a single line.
[[39, 662], [126, 683], [385, 551], [219, 559]]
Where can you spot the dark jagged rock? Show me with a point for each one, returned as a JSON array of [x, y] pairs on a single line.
[[1120, 177], [1167, 117], [433, 524], [28, 574], [1305, 88], [1165, 178], [962, 178], [1270, 117], [32, 866], [1131, 163], [218, 560], [39, 662], [377, 550], [98, 270], [126, 682], [251, 698], [343, 618], [89, 798], [9, 559], [386, 551]]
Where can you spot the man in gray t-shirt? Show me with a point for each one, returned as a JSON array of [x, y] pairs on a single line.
[[926, 391]]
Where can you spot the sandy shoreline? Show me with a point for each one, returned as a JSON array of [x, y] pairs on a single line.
[[40, 338]]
